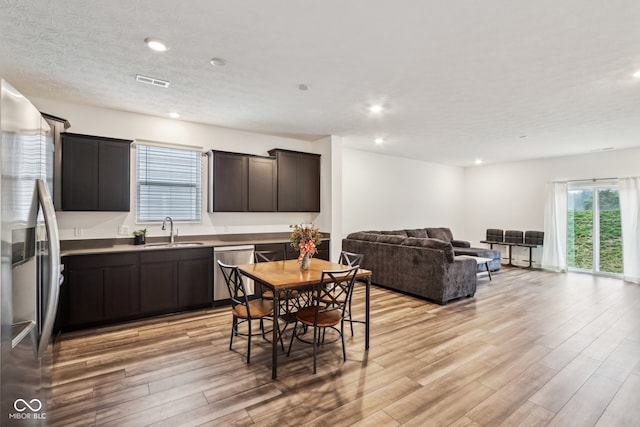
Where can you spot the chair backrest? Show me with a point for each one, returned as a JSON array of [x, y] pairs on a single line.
[[235, 285], [495, 235], [534, 237], [268, 256], [336, 289], [350, 259], [513, 236]]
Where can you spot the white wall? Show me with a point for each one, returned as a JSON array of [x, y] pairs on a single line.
[[510, 196], [360, 190], [381, 192], [117, 124]]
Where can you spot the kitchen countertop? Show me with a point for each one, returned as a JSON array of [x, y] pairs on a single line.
[[104, 246]]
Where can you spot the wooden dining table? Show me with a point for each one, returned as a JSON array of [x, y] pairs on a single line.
[[286, 275]]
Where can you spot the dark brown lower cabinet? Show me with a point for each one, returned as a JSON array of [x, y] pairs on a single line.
[[324, 251], [121, 292], [108, 288], [99, 289], [158, 287], [195, 282], [173, 280]]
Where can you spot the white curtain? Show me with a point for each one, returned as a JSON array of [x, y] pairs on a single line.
[[554, 250], [629, 191]]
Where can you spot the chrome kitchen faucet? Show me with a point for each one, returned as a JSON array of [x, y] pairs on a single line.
[[164, 224]]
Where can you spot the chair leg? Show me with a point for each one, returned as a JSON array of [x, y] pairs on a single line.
[[344, 350], [234, 330], [249, 343], [316, 337], [350, 319]]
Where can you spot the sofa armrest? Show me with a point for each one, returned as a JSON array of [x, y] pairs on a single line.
[[460, 243]]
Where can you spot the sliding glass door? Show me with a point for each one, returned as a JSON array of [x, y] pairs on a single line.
[[594, 234]]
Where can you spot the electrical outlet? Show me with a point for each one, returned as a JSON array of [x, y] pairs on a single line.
[[77, 231], [123, 230]]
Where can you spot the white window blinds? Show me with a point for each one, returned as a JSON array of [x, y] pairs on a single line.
[[168, 183], [23, 161]]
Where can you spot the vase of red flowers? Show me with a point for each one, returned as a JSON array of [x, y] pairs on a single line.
[[305, 238]]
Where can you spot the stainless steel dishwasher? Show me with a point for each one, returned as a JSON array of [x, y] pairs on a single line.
[[231, 255]]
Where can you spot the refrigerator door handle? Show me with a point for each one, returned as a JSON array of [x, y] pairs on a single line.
[[53, 281]]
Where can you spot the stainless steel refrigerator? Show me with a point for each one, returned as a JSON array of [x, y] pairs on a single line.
[[30, 252]]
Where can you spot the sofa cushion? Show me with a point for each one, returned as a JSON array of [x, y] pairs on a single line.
[[393, 233], [440, 233], [377, 237], [433, 244], [389, 238], [362, 235], [417, 232]]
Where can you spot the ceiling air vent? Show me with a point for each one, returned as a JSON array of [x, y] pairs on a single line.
[[152, 81]]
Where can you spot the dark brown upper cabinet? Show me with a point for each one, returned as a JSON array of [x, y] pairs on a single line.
[[95, 173], [298, 181], [288, 181], [262, 184], [227, 182], [241, 183]]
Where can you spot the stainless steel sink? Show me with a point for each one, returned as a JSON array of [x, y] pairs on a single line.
[[172, 245]]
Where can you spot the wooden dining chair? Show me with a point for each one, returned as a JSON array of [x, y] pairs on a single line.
[[267, 256], [245, 310], [331, 298], [288, 299], [350, 259]]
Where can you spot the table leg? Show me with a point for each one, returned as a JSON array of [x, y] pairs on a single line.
[[367, 305], [488, 271], [275, 339]]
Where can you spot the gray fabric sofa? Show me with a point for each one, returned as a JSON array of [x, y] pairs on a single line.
[[410, 262]]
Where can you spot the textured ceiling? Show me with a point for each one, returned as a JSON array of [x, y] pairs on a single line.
[[459, 80]]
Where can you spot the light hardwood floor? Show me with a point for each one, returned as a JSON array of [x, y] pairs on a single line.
[[531, 349]]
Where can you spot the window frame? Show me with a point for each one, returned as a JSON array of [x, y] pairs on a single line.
[[196, 184]]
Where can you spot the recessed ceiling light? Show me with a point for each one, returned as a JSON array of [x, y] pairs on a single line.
[[156, 44], [637, 74], [478, 161], [376, 108], [218, 62], [303, 87], [174, 115], [379, 140]]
